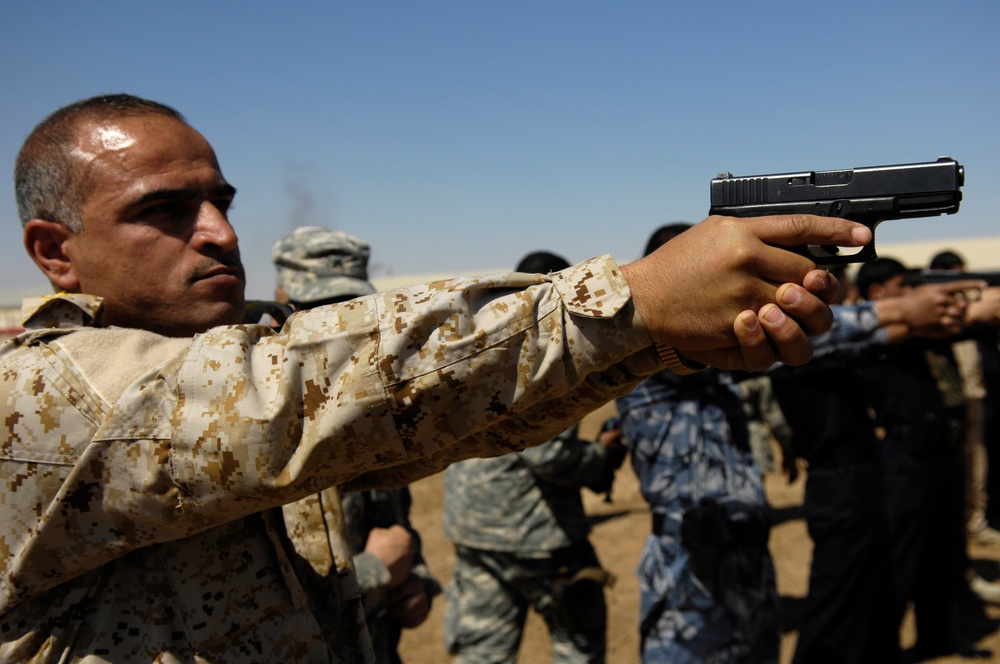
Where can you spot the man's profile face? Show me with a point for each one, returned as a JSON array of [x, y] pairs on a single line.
[[156, 243]]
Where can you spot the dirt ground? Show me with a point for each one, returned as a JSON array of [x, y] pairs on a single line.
[[619, 528]]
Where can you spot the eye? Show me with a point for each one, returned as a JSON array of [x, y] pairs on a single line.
[[168, 214], [224, 206], [164, 210]]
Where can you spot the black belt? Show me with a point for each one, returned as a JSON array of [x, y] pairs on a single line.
[[658, 519], [751, 531], [660, 524]]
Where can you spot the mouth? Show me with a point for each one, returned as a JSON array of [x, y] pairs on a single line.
[[221, 275]]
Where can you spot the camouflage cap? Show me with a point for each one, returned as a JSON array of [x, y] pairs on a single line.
[[318, 264]]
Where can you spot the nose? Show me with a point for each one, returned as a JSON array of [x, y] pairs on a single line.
[[213, 229]]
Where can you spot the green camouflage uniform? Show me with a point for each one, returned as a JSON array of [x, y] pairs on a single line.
[[520, 534]]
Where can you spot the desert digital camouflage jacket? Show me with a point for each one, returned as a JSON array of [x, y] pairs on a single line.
[[141, 474]]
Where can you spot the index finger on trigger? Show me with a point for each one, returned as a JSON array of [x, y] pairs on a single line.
[[798, 229]]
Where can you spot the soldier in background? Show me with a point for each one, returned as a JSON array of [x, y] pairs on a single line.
[[316, 266], [848, 615], [977, 356], [706, 577], [520, 535], [915, 392]]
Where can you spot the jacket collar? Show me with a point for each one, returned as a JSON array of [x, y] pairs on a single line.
[[61, 310]]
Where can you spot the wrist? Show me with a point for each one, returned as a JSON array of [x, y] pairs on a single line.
[[676, 362]]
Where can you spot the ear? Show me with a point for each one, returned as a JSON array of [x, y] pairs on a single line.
[[45, 242]]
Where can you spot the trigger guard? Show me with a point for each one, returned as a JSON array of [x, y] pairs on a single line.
[[830, 255]]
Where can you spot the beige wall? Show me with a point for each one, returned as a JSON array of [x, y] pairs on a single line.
[[982, 253]]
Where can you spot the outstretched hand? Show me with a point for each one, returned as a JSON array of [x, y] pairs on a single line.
[[935, 310], [726, 294], [985, 309]]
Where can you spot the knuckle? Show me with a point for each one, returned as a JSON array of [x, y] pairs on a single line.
[[742, 254], [799, 224]]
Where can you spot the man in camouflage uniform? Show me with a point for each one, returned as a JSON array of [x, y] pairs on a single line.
[[520, 535], [705, 575], [149, 435], [316, 266], [701, 600]]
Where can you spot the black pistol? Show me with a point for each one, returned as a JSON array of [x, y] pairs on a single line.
[[992, 279], [865, 195]]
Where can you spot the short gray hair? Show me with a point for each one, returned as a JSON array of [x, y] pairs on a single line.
[[46, 179]]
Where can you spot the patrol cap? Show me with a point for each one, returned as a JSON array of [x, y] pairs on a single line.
[[316, 263]]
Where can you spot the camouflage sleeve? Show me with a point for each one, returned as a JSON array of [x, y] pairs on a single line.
[[561, 357], [373, 577], [855, 327], [381, 390], [566, 460]]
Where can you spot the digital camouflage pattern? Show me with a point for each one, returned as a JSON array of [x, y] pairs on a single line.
[[491, 592], [133, 461], [688, 442], [525, 502], [315, 264], [330, 530], [511, 518]]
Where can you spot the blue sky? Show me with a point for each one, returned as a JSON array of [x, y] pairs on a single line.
[[458, 136]]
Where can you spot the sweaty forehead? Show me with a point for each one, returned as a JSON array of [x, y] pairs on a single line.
[[97, 139], [127, 150], [149, 136]]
